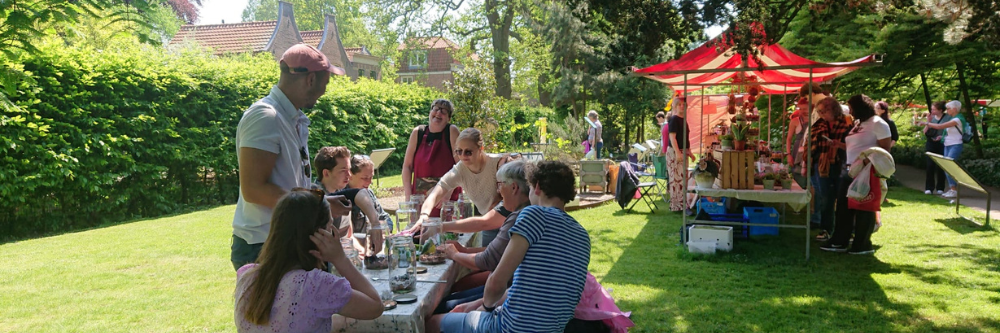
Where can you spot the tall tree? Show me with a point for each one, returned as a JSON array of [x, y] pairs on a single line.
[[186, 10]]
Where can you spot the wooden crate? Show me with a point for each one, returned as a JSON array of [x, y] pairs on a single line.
[[737, 169]]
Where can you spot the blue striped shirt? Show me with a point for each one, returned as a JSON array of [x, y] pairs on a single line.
[[548, 283]]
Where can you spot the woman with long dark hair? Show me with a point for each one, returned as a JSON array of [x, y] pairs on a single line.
[[286, 289], [869, 131], [934, 179]]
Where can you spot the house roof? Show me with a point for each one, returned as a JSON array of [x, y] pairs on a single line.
[[312, 37], [229, 37], [430, 43]]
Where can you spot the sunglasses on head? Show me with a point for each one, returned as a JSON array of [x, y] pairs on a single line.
[[466, 152]]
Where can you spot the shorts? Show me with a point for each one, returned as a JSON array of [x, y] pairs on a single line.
[[472, 322]]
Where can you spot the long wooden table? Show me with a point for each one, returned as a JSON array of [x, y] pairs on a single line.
[[409, 317]]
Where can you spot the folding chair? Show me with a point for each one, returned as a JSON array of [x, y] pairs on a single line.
[[660, 177], [643, 187]]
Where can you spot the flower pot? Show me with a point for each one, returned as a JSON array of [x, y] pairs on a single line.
[[740, 144], [727, 144], [786, 184], [705, 181], [768, 184]]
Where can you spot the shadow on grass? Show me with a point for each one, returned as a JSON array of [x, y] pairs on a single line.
[[104, 224], [963, 226], [765, 285]]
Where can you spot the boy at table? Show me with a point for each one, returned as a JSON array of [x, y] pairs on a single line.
[[547, 258]]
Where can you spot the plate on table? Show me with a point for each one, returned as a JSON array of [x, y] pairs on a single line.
[[405, 299]]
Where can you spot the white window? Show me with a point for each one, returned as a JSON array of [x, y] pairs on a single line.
[[406, 79], [361, 73], [418, 59]]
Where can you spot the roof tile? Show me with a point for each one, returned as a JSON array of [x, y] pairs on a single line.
[[229, 37]]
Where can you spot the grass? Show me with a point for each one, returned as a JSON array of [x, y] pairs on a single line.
[[933, 272]]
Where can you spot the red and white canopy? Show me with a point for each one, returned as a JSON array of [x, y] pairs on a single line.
[[782, 70]]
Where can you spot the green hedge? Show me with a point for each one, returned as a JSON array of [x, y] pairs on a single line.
[[101, 136]]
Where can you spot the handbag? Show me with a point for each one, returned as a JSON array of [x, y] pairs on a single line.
[[871, 202]]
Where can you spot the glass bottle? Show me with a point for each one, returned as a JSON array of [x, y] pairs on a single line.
[[347, 243], [405, 216], [418, 201], [463, 206], [378, 245], [448, 211], [402, 257]]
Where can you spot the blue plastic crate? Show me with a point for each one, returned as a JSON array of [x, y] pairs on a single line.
[[712, 207], [765, 215], [740, 231]]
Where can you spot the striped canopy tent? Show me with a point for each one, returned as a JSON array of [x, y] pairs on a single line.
[[776, 69]]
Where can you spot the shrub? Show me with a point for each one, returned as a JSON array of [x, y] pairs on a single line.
[[114, 134]]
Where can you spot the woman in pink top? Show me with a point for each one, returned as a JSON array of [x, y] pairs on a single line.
[[287, 290]]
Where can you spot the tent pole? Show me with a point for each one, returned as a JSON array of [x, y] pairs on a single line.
[[768, 121], [784, 108], [684, 235], [701, 125], [808, 159]]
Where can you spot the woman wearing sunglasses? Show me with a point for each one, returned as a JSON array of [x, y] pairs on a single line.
[[286, 289], [476, 174]]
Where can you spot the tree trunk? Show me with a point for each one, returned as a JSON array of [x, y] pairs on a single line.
[[969, 115], [500, 35], [927, 93]]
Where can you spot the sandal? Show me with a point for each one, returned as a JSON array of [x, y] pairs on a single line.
[[823, 236]]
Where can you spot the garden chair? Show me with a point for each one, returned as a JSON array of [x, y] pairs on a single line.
[[660, 176]]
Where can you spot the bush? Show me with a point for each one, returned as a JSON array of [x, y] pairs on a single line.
[[107, 135]]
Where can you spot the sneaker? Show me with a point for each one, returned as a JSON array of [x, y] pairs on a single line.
[[854, 251], [950, 194], [823, 236], [939, 192], [927, 192], [833, 248]]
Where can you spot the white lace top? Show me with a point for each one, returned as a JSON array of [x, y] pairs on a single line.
[[481, 187]]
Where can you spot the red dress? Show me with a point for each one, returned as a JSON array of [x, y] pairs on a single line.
[[432, 159]]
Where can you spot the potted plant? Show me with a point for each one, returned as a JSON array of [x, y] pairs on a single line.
[[786, 179], [739, 131], [769, 179], [706, 171], [727, 141]]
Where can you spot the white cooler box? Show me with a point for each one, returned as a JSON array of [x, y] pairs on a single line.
[[722, 236]]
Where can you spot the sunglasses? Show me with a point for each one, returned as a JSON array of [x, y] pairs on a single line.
[[466, 152], [306, 168]]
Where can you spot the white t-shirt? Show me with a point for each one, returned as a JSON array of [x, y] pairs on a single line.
[[866, 135], [953, 136], [272, 124]]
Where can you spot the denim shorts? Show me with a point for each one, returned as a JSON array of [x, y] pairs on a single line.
[[472, 322]]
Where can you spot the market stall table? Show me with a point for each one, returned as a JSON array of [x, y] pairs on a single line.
[[796, 197], [409, 317]]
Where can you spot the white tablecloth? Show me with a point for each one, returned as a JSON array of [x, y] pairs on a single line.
[[797, 198], [409, 317]]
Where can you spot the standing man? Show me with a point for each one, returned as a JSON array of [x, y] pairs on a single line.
[[272, 148]]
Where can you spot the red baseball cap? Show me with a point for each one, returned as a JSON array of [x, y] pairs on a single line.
[[304, 58]]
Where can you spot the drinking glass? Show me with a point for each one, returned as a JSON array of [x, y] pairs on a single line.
[[347, 243]]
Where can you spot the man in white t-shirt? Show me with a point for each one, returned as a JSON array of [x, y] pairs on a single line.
[[272, 148]]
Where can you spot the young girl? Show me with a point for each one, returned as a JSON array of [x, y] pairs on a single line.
[[287, 290]]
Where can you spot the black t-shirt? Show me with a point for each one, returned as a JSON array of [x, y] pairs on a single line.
[[677, 125]]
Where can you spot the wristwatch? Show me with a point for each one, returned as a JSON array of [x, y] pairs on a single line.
[[489, 308]]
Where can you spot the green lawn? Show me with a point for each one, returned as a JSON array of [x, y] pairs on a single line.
[[932, 273]]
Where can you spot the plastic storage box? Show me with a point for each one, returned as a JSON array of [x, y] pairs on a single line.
[[712, 207], [763, 215], [722, 236]]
